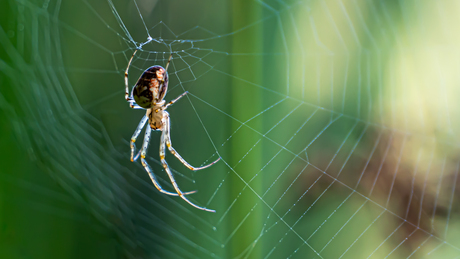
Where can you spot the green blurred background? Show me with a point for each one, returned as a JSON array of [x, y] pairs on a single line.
[[336, 122]]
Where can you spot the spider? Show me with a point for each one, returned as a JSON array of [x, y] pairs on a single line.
[[148, 94]]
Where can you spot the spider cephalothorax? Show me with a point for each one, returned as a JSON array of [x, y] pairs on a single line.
[[148, 93]]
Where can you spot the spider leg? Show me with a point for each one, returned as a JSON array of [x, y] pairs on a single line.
[[168, 171], [147, 167], [174, 152], [128, 98], [169, 60], [133, 104], [175, 100], [166, 69], [134, 137], [126, 79]]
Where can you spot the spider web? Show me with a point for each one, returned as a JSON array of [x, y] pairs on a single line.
[[335, 122]]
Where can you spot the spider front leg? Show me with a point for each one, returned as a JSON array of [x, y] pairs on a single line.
[[147, 167], [164, 137], [129, 99]]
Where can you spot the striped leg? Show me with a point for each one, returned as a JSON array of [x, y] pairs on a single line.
[[149, 170], [134, 137], [175, 100], [168, 171], [126, 79], [128, 98], [133, 104], [174, 152]]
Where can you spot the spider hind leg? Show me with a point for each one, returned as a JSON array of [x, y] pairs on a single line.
[[164, 139], [149, 170], [174, 152]]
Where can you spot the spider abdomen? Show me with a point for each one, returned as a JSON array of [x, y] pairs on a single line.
[[151, 87]]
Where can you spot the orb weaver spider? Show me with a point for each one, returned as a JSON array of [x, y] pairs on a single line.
[[148, 94]]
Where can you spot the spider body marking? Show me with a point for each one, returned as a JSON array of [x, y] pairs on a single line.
[[148, 93], [151, 87], [155, 116]]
